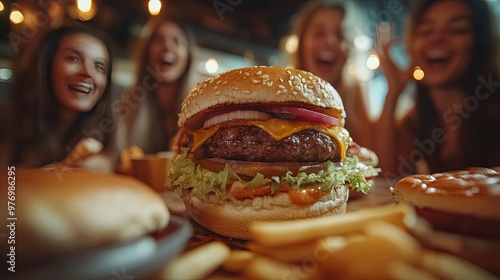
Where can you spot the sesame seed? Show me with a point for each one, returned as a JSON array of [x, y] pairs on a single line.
[[246, 73], [265, 77], [281, 79], [246, 91], [291, 78], [294, 93], [259, 72], [217, 92], [211, 80], [270, 84], [288, 71], [278, 92], [255, 81], [216, 87], [218, 82], [284, 90], [281, 86]]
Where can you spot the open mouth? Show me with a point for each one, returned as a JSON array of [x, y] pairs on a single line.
[[84, 88], [438, 58], [325, 59], [168, 60]]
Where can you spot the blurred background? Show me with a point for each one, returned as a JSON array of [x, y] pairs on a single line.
[[227, 33]]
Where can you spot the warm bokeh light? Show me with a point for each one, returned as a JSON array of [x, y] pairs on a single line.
[[84, 5], [16, 16], [154, 7], [2, 7], [211, 66], [291, 44], [372, 62], [418, 73]]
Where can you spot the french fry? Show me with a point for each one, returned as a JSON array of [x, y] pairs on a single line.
[[368, 257], [408, 247], [197, 263], [83, 149], [399, 270], [238, 260], [452, 267], [287, 253], [263, 267], [297, 231]]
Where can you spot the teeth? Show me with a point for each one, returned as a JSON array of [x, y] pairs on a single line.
[[169, 57], [326, 56], [83, 87], [438, 54]]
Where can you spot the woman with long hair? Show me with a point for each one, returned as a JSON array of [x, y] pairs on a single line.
[[148, 111], [62, 96], [323, 29], [454, 123]]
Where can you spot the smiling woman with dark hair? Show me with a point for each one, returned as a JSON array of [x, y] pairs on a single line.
[[455, 121], [62, 96]]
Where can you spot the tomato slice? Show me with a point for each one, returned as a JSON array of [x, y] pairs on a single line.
[[306, 196]]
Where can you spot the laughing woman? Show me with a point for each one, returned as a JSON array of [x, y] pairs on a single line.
[[61, 98], [323, 28], [148, 112], [455, 121]]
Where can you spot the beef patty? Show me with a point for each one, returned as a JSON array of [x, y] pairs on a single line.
[[250, 143]]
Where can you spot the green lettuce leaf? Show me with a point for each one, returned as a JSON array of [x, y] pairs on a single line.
[[184, 174]]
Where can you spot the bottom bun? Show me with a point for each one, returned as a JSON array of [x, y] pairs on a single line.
[[232, 218]]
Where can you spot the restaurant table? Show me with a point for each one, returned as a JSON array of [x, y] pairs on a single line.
[[378, 195]]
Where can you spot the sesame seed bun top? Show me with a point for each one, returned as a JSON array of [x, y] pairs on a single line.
[[258, 85]]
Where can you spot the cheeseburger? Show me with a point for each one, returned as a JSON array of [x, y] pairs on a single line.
[[458, 212], [264, 143]]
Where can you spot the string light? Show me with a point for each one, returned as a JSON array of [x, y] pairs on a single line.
[[291, 44], [418, 73], [16, 16], [154, 7], [84, 5], [372, 62], [211, 65]]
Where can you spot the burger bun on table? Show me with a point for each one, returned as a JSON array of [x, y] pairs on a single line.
[[63, 210]]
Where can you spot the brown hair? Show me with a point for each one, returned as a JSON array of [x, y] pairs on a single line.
[[36, 105], [479, 132], [148, 104], [304, 18]]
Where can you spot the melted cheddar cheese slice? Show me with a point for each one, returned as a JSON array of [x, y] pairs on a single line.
[[279, 129]]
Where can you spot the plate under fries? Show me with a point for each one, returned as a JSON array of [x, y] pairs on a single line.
[[131, 260]]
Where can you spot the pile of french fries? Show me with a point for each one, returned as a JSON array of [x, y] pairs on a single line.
[[366, 244]]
